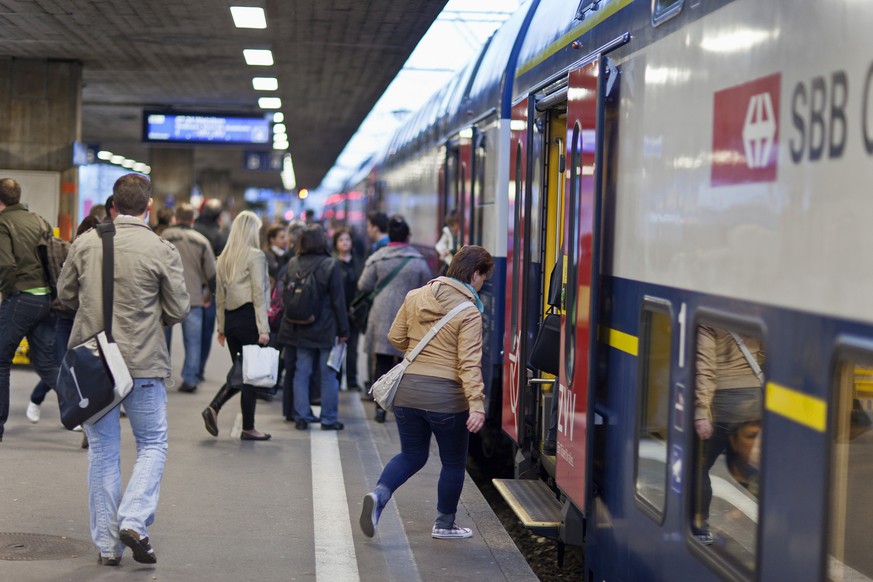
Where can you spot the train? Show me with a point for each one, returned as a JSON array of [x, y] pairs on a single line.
[[644, 172]]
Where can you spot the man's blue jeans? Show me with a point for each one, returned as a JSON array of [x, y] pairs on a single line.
[[63, 330], [146, 408], [306, 359], [192, 329], [24, 315], [415, 427], [208, 328]]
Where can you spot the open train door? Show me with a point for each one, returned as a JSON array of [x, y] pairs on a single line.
[[587, 85]]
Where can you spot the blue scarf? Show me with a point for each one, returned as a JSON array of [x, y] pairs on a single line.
[[479, 305]]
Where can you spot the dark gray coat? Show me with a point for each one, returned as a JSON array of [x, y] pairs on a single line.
[[379, 267], [332, 320]]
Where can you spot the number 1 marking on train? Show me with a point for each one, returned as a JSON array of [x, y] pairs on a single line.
[[682, 313]]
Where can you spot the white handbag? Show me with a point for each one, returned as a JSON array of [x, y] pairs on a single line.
[[384, 389], [260, 366]]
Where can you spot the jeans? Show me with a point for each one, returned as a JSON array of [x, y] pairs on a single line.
[[24, 315], [63, 329], [307, 359], [415, 427], [146, 408], [192, 330], [206, 331]]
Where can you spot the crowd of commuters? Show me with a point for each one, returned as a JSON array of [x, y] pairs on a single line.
[[189, 268]]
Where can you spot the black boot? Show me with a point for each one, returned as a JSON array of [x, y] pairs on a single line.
[[225, 393]]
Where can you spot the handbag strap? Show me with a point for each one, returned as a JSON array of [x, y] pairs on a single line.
[[390, 277], [433, 331], [106, 231], [753, 363]]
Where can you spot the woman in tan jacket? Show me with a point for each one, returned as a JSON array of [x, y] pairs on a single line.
[[442, 392]]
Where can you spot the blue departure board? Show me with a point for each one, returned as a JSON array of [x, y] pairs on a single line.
[[205, 129]]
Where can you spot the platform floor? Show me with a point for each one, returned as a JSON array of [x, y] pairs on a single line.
[[283, 510]]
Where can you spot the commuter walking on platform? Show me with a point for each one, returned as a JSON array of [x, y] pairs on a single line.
[[312, 327], [441, 393], [242, 296], [150, 291], [27, 299], [351, 267], [392, 272], [198, 262], [209, 225]]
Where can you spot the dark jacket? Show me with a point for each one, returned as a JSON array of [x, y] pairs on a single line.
[[20, 268], [331, 321], [350, 272], [211, 230]]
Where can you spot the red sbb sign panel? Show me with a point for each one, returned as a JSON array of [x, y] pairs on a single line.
[[745, 132]]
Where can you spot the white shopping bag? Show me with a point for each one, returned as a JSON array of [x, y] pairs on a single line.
[[260, 366]]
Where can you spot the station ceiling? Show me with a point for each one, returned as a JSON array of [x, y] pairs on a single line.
[[333, 60]]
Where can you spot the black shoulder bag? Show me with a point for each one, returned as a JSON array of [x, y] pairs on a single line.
[[359, 308], [93, 378]]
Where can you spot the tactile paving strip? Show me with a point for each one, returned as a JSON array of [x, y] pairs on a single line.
[[31, 546]]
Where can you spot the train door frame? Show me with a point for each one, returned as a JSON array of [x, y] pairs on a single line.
[[590, 81], [515, 337]]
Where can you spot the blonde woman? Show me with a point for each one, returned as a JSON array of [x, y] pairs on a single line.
[[242, 296]]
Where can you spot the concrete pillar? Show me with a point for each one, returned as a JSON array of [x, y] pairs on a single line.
[[40, 118], [172, 175]]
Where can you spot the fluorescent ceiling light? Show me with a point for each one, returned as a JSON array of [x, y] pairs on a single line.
[[279, 128], [265, 83], [258, 57], [269, 103], [104, 155], [280, 145], [278, 117], [139, 167], [248, 17], [116, 159], [127, 163]]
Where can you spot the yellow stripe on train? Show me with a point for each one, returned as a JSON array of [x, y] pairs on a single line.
[[802, 408], [620, 340]]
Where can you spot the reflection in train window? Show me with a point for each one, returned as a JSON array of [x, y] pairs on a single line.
[[850, 513], [654, 404], [728, 397]]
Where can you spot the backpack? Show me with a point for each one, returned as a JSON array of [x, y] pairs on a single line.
[[52, 252], [276, 309], [300, 296]]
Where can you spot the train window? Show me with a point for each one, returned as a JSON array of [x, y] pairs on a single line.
[[516, 243], [663, 10], [572, 236], [654, 404], [728, 397], [850, 525]]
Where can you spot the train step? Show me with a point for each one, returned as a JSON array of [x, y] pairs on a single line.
[[534, 504]]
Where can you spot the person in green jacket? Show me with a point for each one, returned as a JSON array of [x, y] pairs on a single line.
[[26, 307]]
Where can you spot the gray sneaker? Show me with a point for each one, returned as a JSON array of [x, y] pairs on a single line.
[[451, 533], [369, 515]]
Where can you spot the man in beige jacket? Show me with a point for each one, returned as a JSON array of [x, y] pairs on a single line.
[[149, 294]]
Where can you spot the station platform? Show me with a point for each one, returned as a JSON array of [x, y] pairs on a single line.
[[282, 510]]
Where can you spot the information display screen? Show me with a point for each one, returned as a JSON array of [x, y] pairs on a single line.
[[205, 129]]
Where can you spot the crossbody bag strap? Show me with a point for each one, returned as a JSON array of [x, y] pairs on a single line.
[[390, 277], [107, 234], [433, 331], [753, 363]]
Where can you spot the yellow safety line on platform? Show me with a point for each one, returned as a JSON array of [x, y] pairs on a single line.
[[802, 408], [620, 340], [574, 33]]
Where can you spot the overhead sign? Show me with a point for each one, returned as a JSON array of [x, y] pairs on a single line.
[[745, 132], [255, 161], [194, 128]]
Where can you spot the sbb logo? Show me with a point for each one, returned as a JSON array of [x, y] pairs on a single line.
[[745, 133]]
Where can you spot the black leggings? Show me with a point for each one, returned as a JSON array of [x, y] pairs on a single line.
[[240, 329]]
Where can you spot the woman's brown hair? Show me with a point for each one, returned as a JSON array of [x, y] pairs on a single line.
[[470, 259]]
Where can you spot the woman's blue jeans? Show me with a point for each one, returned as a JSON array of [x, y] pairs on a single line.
[[415, 427]]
